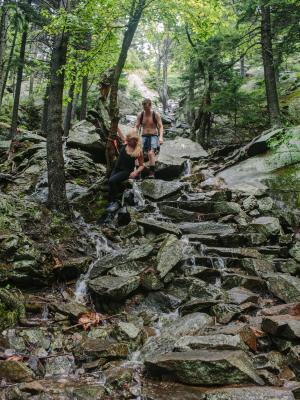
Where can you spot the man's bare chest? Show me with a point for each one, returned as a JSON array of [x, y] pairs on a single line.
[[148, 121]]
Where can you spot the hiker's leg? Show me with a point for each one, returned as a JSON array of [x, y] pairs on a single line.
[[114, 183]]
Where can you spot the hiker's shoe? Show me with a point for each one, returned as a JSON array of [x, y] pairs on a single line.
[[113, 207], [151, 175]]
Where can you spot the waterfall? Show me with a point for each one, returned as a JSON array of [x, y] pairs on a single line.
[[102, 248], [187, 168]]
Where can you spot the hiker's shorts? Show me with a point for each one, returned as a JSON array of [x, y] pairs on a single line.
[[150, 142]]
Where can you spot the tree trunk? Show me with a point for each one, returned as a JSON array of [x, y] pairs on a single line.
[[57, 198], [269, 68], [202, 124], [4, 77], [45, 109], [191, 95], [3, 36], [14, 120], [84, 93], [84, 88], [113, 100], [68, 116]]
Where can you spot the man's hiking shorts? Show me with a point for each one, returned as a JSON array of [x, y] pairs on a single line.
[[150, 142]]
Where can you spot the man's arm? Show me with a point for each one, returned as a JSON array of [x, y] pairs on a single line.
[[160, 128], [138, 122], [121, 136]]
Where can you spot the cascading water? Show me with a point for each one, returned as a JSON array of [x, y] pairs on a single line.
[[102, 248], [187, 168]]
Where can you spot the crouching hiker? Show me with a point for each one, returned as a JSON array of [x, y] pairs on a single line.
[[130, 154]]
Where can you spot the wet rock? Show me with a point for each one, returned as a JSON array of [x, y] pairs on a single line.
[[257, 267], [154, 390], [92, 349], [37, 338], [73, 267], [239, 295], [269, 226], [71, 309], [182, 148], [234, 252], [250, 393], [88, 392], [129, 330], [250, 203], [159, 226], [15, 371], [294, 360], [249, 282], [206, 228], [265, 204], [157, 189], [224, 313], [295, 251], [206, 368], [210, 342], [290, 309], [128, 269], [190, 324], [199, 288], [169, 255], [286, 326], [140, 252], [32, 387], [59, 366], [198, 305], [177, 214], [150, 281], [284, 286], [116, 288]]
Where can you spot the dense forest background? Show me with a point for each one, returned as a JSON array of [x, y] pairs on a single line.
[[227, 69]]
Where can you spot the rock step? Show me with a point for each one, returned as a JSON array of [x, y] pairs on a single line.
[[153, 390], [212, 207], [249, 265], [206, 367]]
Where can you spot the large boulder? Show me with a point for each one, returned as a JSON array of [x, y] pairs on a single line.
[[84, 136], [206, 368], [173, 155], [276, 168]]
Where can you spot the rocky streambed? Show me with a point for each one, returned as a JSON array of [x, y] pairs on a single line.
[[191, 291]]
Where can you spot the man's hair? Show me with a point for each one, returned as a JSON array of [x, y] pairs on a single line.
[[147, 101]]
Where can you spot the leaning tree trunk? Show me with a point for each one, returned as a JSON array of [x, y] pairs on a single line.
[[269, 68], [14, 119], [57, 198], [4, 77], [137, 10], [3, 36], [202, 123]]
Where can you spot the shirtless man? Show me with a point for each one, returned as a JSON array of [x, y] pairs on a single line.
[[152, 132]]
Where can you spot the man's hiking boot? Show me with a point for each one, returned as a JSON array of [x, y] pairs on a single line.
[[151, 175], [113, 207]]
